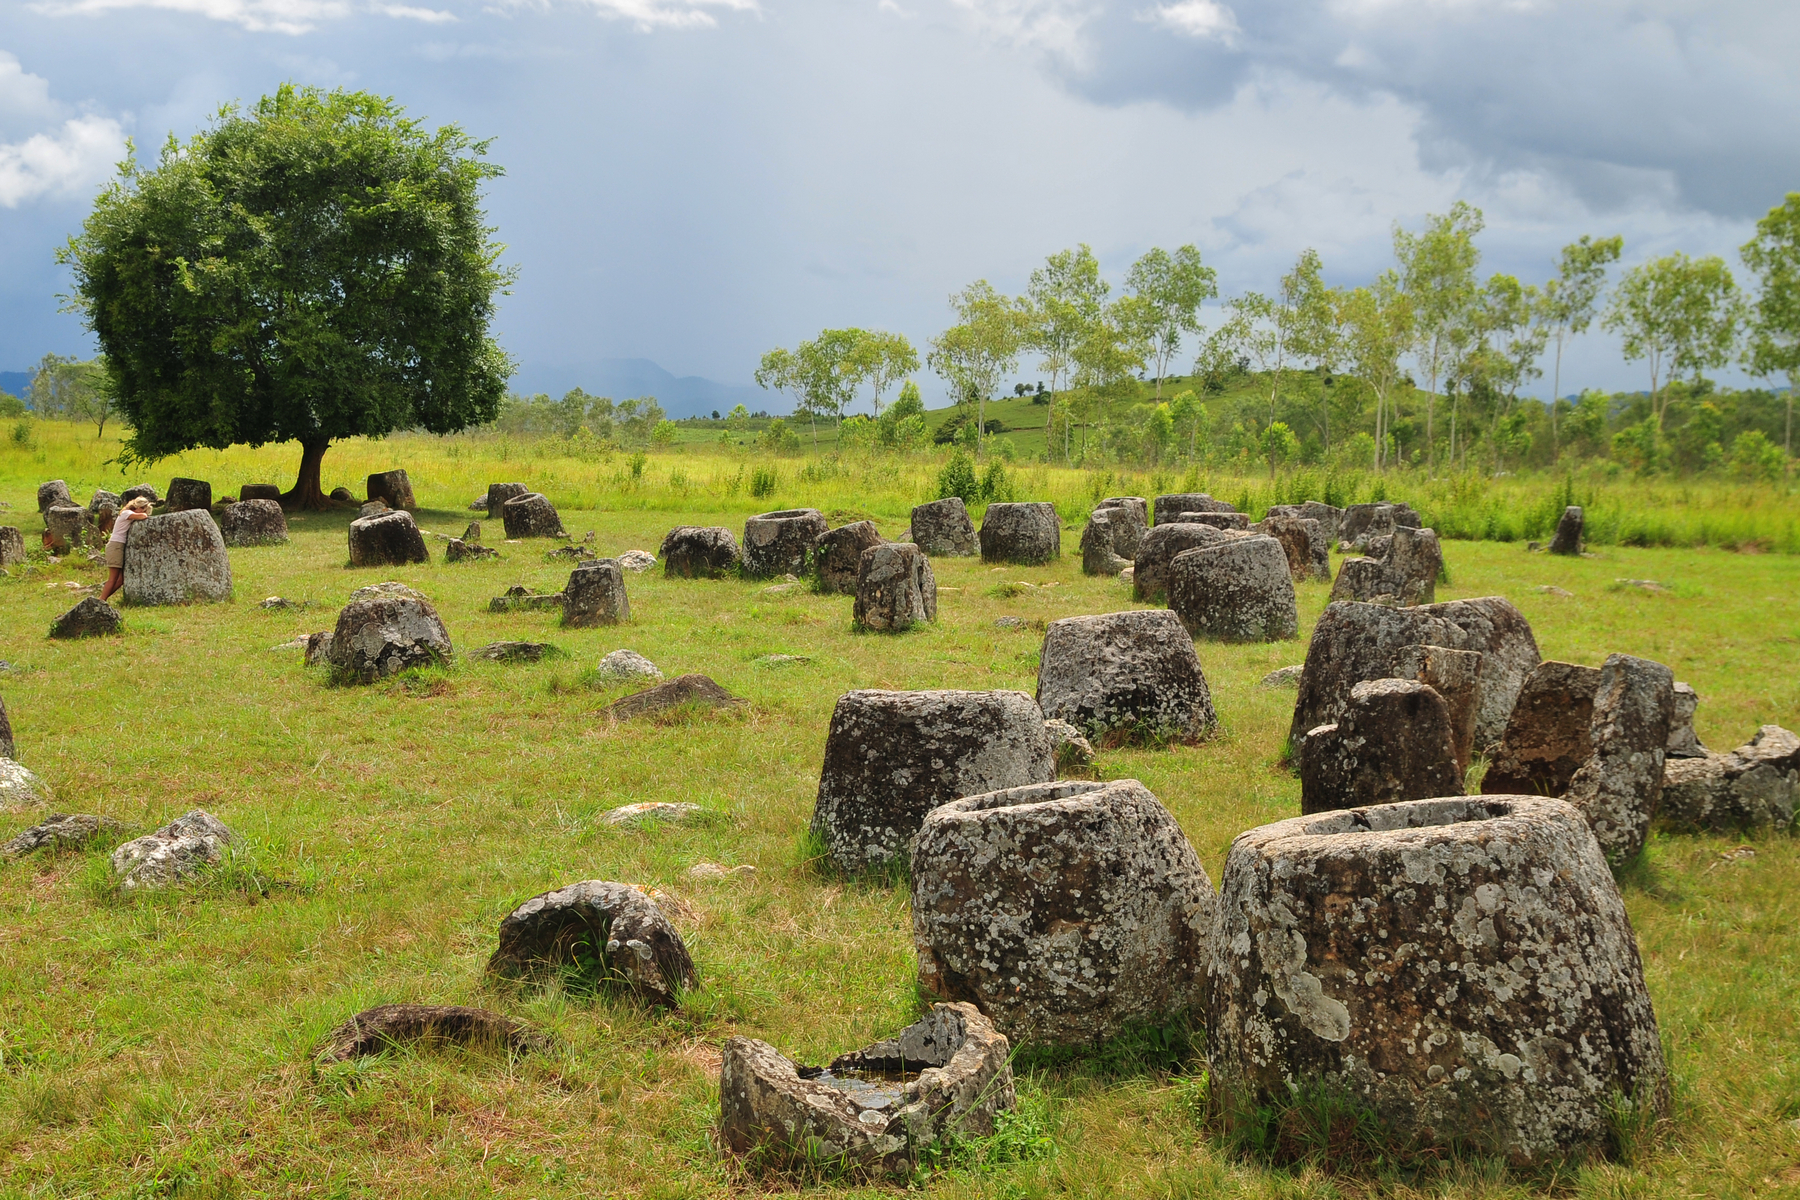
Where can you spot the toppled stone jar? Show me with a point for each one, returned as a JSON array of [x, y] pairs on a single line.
[[611, 930], [1464, 967], [873, 1112]]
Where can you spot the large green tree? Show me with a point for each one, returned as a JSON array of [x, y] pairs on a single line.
[[1774, 255], [314, 268], [974, 354], [1437, 272], [1680, 315], [1169, 288], [1566, 305], [1064, 301]]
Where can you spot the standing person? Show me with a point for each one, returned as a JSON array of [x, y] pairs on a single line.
[[136, 509]]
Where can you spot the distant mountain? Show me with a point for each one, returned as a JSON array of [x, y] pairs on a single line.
[[13, 382], [680, 396]]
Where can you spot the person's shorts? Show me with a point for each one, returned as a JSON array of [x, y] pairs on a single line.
[[115, 555]]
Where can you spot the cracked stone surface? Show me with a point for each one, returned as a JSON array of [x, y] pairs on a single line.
[[1129, 671], [1063, 911], [943, 529], [20, 788], [838, 556], [1464, 966], [1394, 742], [1546, 738], [1237, 591], [862, 1111], [176, 852], [1401, 570], [1150, 573], [386, 539], [1028, 533], [386, 628], [615, 925], [59, 831], [892, 757], [1618, 786], [1753, 787], [176, 558], [782, 543], [895, 588]]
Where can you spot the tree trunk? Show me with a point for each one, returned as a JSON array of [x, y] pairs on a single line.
[[306, 494]]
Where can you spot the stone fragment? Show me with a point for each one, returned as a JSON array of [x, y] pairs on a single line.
[[93, 617], [696, 691], [628, 664], [7, 749], [695, 552], [473, 533], [499, 493], [390, 539], [895, 588], [1068, 746], [145, 490], [12, 546], [342, 495], [386, 629], [1328, 516], [517, 652], [393, 487], [317, 648], [1568, 539], [1237, 591], [1753, 787], [1236, 521], [1130, 521], [651, 812], [612, 931], [101, 501], [20, 788], [259, 491], [1304, 540], [176, 852], [868, 1113], [52, 494], [519, 598], [1127, 674], [838, 556], [374, 508], [1064, 911], [60, 831], [1150, 574], [67, 526], [1547, 737], [1172, 504], [1456, 676], [782, 660], [1401, 570], [782, 543], [708, 871], [531, 516], [1617, 788], [1361, 522], [637, 561], [892, 757], [1393, 742], [942, 529], [1282, 678], [1464, 967], [253, 523], [1027, 533], [186, 494], [461, 550], [1097, 554], [389, 1025], [595, 595], [1352, 642], [1682, 741]]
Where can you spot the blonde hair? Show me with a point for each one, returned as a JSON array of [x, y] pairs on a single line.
[[138, 504]]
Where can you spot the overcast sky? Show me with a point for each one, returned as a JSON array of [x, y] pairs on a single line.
[[695, 181]]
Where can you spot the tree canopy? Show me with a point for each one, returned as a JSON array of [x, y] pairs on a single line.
[[314, 268]]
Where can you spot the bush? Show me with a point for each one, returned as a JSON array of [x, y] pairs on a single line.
[[762, 482], [958, 479], [780, 438], [11, 405]]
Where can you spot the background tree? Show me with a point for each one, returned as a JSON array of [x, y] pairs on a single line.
[[67, 387], [1437, 272], [1170, 289], [1190, 417], [1377, 325], [881, 360], [1309, 318], [1679, 314], [1063, 301], [821, 374], [1567, 304], [974, 354], [1105, 363], [313, 269], [1774, 342]]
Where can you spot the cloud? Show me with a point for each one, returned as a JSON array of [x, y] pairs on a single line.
[[406, 12], [648, 15], [60, 164], [258, 16], [1197, 19]]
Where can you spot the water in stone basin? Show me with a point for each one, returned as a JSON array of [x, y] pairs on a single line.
[[879, 1090]]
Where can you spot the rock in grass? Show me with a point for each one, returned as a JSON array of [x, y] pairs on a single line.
[[384, 630], [93, 617], [176, 852], [1236, 591], [695, 691], [697, 552], [317, 647], [147, 491], [389, 1025], [1028, 533], [55, 492], [595, 595], [1326, 515], [387, 539], [187, 495], [637, 561], [462, 550], [892, 757], [942, 529], [59, 831], [951, 1076], [1463, 967], [517, 652], [67, 526], [253, 523], [12, 546], [1547, 735], [1567, 539], [709, 871], [628, 664], [393, 487], [605, 930], [519, 598], [342, 495], [1755, 786], [838, 556], [782, 543], [1282, 677], [1070, 749], [650, 812], [895, 588], [1617, 788], [1393, 742], [1127, 673], [1064, 911], [21, 789], [531, 516]]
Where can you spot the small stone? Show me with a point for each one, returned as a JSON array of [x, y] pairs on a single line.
[[1026, 533], [1550, 589], [93, 617], [628, 664], [473, 532], [1237, 591], [1172, 504], [838, 556], [519, 598], [708, 871], [1283, 678], [457, 550], [186, 495], [1132, 674], [379, 1029], [942, 529], [782, 660], [21, 789], [782, 543], [696, 691], [58, 832], [1009, 622], [517, 652], [595, 595], [637, 561], [176, 852], [1568, 539], [317, 647], [145, 490], [253, 523], [1070, 749], [276, 602], [697, 552], [298, 643], [641, 949], [389, 539], [1642, 585], [1617, 788], [895, 588], [393, 487], [386, 629], [531, 516], [342, 495], [1393, 743], [651, 812], [783, 589]]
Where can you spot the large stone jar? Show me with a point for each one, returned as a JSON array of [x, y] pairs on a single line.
[[782, 543]]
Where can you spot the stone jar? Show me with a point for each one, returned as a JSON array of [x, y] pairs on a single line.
[[253, 523], [499, 493], [696, 552], [387, 539], [1462, 966], [1127, 673], [895, 588], [1064, 911], [1150, 575], [782, 543], [176, 558], [531, 516], [386, 628], [615, 927], [393, 487], [1028, 533], [595, 595], [1237, 591], [1305, 541], [185, 494], [259, 491], [1394, 742], [837, 559], [942, 529], [1172, 504]]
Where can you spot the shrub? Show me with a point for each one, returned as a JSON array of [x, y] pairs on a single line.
[[762, 482]]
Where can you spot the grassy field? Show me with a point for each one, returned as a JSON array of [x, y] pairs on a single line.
[[162, 1046]]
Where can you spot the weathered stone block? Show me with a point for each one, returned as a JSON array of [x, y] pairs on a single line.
[[1755, 786], [1305, 542], [393, 487], [59, 832], [595, 595], [1236, 521], [695, 552], [531, 516], [613, 930], [382, 1028], [1465, 967], [55, 492], [67, 526], [1617, 788], [1172, 504], [176, 558], [837, 559], [1393, 743], [1064, 911], [1456, 676], [92, 617], [499, 493], [1097, 554], [387, 628], [20, 788], [942, 529], [176, 852], [187, 494], [147, 491], [1130, 522], [1682, 741], [892, 757], [1237, 591], [782, 543], [259, 491], [1128, 673], [895, 588], [1150, 574], [1567, 539], [1027, 533], [1546, 738], [1401, 570], [12, 546], [389, 539], [253, 523]]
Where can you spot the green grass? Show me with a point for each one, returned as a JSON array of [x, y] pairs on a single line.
[[162, 1045]]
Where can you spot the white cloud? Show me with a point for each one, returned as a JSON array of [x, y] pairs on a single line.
[[407, 12], [60, 164], [258, 16], [1198, 19], [648, 15], [1053, 26]]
